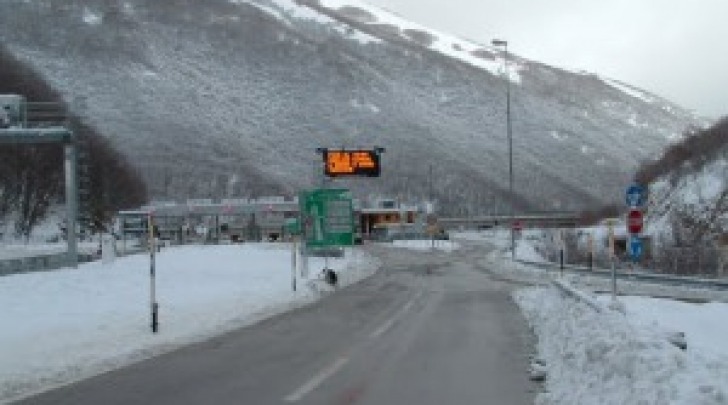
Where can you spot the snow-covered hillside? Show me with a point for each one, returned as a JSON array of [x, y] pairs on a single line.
[[689, 205], [233, 98], [699, 197]]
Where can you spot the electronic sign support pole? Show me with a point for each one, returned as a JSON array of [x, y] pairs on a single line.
[[432, 206], [123, 236], [71, 172], [614, 280], [293, 263]]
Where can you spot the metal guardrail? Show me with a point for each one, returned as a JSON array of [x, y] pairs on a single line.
[[675, 338], [636, 276], [577, 295]]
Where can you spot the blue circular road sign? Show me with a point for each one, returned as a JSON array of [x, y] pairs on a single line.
[[635, 196]]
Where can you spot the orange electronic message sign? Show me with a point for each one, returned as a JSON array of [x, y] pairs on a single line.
[[351, 163]]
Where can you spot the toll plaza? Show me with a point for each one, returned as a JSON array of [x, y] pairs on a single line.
[[211, 221]]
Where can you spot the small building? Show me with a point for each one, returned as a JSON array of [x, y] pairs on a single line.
[[386, 218]]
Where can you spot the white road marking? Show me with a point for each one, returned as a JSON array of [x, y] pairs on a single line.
[[388, 324], [385, 326], [319, 378]]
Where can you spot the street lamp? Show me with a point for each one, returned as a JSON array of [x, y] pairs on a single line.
[[504, 44]]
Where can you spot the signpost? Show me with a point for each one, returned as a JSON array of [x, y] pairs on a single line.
[[636, 197], [517, 226], [635, 247], [328, 217], [635, 221], [432, 227], [610, 233], [152, 274]]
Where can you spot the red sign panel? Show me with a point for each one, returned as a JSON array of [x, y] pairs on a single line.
[[635, 221]]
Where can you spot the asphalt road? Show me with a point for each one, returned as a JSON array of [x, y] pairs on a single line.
[[430, 328]]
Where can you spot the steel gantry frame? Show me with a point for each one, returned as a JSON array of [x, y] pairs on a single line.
[[20, 133]]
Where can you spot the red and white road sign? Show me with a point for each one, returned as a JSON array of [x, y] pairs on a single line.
[[635, 221]]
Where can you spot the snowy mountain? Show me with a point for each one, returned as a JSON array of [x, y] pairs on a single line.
[[231, 98]]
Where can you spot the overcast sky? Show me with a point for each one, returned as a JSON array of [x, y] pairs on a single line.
[[677, 49]]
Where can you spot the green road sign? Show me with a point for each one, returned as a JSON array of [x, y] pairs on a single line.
[[327, 216], [292, 226]]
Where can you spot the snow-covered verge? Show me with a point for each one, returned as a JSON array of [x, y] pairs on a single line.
[[424, 245], [20, 250], [69, 324], [703, 324], [607, 358]]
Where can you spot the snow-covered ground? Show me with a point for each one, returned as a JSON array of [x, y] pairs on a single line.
[[501, 238], [65, 325], [613, 358], [607, 358], [69, 324], [701, 323], [424, 245]]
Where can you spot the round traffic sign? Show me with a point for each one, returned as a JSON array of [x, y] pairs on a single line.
[[635, 247], [635, 221], [635, 196]]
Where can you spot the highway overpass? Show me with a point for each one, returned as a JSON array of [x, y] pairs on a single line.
[[526, 220]]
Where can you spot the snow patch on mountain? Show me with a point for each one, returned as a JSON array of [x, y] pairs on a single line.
[[472, 53], [559, 136], [366, 106], [285, 10], [92, 17], [639, 94], [279, 15]]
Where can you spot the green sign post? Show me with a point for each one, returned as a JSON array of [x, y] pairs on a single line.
[[327, 217]]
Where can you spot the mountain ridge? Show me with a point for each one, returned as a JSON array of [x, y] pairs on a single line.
[[233, 101]]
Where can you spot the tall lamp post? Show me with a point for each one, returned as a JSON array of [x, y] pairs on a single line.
[[504, 44]]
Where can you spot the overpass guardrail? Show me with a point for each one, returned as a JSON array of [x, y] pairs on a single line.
[[632, 275]]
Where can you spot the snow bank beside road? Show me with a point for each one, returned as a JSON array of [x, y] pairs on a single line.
[[610, 358], [64, 325], [604, 358], [704, 325]]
